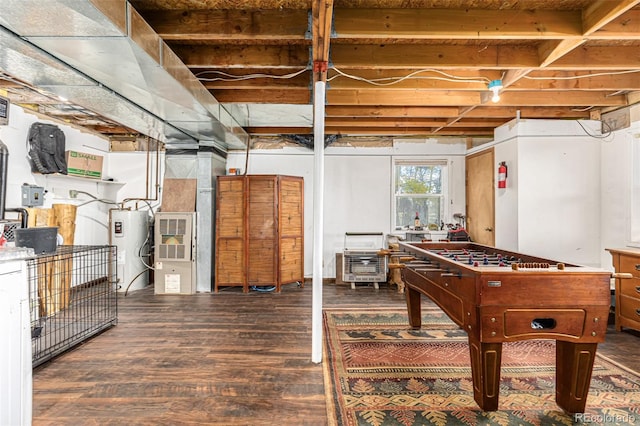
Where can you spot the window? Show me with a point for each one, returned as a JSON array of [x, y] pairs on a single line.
[[419, 187]]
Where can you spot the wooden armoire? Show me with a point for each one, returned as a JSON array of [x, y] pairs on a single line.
[[259, 231]]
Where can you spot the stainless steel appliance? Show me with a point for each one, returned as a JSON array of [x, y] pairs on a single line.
[[362, 261]]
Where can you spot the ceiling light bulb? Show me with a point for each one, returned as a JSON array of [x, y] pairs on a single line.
[[495, 86]]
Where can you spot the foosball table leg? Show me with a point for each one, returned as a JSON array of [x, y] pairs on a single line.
[[486, 359], [574, 365], [414, 308]]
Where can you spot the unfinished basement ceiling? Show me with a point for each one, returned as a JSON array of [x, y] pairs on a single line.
[[404, 68]]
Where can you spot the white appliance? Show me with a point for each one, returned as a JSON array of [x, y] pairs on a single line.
[[129, 232], [15, 354], [175, 253], [361, 260]]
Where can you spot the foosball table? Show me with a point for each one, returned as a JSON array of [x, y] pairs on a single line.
[[500, 296]]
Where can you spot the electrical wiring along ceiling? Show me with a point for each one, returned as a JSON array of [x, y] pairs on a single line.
[[399, 68]]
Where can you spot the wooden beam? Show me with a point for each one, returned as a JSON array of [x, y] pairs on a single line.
[[447, 24], [407, 122], [285, 26], [251, 80], [452, 98], [624, 27], [590, 58], [564, 80], [395, 57], [594, 18], [400, 97], [442, 56], [561, 98], [322, 15], [552, 50], [527, 112], [489, 112], [462, 79], [288, 57], [601, 12], [404, 131], [573, 80], [513, 75], [389, 111]]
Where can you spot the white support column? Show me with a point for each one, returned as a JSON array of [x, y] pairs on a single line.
[[318, 231]]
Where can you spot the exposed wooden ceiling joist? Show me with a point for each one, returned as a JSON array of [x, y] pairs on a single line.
[[397, 67]]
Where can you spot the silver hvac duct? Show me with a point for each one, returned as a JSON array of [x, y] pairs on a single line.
[[103, 56]]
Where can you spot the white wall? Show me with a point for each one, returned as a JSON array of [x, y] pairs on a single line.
[[594, 197], [507, 217], [616, 185], [559, 206], [357, 187], [551, 206], [127, 170]]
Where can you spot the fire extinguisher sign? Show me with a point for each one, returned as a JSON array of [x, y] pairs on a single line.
[[502, 174]]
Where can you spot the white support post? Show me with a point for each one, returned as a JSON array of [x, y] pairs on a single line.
[[318, 208]]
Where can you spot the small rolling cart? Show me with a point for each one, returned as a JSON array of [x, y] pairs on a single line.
[[363, 261]]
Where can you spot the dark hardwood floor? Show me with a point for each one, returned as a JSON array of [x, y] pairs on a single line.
[[226, 359]]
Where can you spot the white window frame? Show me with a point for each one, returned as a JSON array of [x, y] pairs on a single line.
[[412, 161]]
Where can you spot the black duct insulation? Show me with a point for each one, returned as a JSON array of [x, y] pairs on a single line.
[[4, 165]]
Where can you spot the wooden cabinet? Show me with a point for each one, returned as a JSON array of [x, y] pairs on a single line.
[[259, 231], [627, 260]]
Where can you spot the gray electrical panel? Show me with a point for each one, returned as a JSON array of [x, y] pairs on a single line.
[[32, 195]]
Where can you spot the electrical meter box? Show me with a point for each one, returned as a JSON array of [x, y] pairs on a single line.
[[32, 195]]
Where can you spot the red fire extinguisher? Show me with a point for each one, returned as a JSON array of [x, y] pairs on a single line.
[[502, 175]]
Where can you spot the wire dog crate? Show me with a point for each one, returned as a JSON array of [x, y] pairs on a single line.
[[72, 296]]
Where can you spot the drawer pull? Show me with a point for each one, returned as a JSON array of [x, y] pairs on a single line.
[[637, 266], [638, 312], [638, 289]]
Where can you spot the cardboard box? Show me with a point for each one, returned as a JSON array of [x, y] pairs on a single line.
[[84, 164]]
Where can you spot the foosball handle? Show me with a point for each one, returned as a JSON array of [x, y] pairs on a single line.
[[622, 275], [396, 265]]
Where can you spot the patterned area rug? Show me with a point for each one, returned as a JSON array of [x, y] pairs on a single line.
[[378, 371]]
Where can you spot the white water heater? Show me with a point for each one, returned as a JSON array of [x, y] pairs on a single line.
[[129, 232]]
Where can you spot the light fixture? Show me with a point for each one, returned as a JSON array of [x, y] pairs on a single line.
[[495, 86]]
